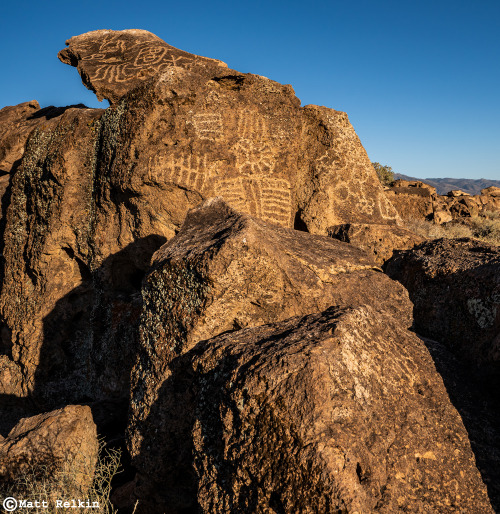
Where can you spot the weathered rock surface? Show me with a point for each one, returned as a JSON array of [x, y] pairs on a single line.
[[16, 122], [62, 441], [455, 287], [46, 245], [376, 239], [491, 191], [112, 62], [107, 188], [225, 271], [336, 412], [213, 131]]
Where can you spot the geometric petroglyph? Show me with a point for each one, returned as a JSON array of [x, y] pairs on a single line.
[[149, 55], [351, 190], [150, 58], [253, 157], [253, 151], [191, 171], [266, 198], [208, 125]]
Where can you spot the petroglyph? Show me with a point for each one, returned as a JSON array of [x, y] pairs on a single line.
[[265, 198], [111, 63], [149, 55], [189, 171], [208, 125], [253, 151]]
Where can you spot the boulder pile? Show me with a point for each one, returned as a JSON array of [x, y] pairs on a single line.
[[418, 200], [195, 273]]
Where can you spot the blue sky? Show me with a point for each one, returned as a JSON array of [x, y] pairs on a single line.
[[420, 80]]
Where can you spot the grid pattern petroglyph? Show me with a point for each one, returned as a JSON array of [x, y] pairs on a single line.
[[268, 199], [208, 125], [189, 171], [254, 190]]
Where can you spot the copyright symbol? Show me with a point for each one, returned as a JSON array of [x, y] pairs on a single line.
[[10, 504]]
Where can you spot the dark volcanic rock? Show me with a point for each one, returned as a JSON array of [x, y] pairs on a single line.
[[16, 122], [455, 287], [378, 240], [336, 412], [46, 249], [97, 192], [225, 271], [478, 407], [112, 62]]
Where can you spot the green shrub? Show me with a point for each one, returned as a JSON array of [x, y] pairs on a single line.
[[384, 173]]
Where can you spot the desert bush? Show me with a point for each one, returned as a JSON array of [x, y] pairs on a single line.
[[34, 485], [384, 173], [486, 229]]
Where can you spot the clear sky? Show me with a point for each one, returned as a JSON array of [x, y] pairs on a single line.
[[419, 79]]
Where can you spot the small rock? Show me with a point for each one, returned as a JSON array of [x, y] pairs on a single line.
[[61, 441]]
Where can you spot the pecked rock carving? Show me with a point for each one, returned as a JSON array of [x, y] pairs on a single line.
[[90, 195], [113, 62], [340, 411]]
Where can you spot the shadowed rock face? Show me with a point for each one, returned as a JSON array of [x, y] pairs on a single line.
[[339, 411], [225, 271], [455, 287], [112, 62]]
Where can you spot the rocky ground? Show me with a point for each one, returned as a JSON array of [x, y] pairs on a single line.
[[212, 278]]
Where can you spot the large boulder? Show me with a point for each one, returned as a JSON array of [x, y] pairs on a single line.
[[207, 130], [491, 191], [47, 229], [225, 271], [455, 287], [341, 411], [16, 123], [61, 445], [112, 62]]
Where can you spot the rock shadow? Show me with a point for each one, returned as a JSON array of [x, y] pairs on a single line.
[[90, 343], [187, 395], [479, 409]]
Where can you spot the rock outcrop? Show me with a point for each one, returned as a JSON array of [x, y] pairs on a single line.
[[341, 411], [455, 287], [272, 368], [107, 188], [225, 271], [62, 442], [418, 201], [113, 62]]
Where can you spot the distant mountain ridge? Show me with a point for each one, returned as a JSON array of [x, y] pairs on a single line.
[[443, 185]]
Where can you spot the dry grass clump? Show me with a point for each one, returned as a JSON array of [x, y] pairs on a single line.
[[430, 230], [484, 228], [35, 485]]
